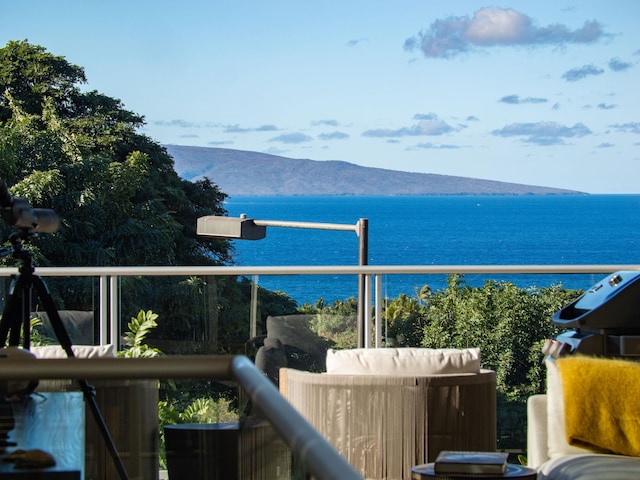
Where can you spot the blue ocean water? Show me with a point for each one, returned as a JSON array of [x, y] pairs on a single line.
[[440, 230]]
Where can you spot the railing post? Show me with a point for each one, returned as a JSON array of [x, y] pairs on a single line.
[[103, 302], [378, 309], [253, 328], [363, 259], [367, 311], [114, 310]]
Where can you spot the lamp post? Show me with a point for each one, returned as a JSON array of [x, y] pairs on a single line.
[[243, 228]]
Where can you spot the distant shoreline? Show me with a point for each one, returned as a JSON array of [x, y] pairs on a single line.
[[429, 195], [239, 172]]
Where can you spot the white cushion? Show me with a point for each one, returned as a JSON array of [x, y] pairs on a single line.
[[403, 361], [556, 432], [537, 442], [80, 351], [590, 467]]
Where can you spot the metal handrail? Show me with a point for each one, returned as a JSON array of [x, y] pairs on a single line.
[[316, 455], [322, 270]]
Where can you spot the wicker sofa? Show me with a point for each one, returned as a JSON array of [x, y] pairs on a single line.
[[387, 410], [552, 447]]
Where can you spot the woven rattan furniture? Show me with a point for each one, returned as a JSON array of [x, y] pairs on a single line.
[[386, 424]]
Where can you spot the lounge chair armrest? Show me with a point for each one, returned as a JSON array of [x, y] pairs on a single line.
[[537, 430]]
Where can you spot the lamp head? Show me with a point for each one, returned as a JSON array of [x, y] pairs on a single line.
[[229, 227]]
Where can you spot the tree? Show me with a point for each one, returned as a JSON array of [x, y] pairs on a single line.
[[119, 198], [509, 325]]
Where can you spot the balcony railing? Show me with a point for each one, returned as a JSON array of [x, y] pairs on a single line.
[[108, 292]]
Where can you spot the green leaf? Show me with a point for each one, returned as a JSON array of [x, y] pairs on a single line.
[[139, 328]]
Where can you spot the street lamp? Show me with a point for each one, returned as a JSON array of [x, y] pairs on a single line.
[[243, 228]]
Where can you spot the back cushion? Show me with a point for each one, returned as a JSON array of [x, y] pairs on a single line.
[[80, 351], [556, 433], [403, 361]]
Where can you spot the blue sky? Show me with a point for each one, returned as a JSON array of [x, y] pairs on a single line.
[[542, 93]]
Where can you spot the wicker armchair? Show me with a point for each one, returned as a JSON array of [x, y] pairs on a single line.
[[386, 424]]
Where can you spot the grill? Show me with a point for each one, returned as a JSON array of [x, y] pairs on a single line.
[[605, 320]]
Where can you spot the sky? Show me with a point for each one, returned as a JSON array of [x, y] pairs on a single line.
[[540, 93]]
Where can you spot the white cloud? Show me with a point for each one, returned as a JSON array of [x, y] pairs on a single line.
[[490, 27], [292, 138], [424, 127], [631, 127], [618, 65], [333, 136], [516, 99], [579, 73], [543, 133]]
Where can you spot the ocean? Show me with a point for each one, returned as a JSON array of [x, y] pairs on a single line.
[[440, 230]]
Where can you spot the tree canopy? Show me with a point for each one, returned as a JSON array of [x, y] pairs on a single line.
[[79, 152]]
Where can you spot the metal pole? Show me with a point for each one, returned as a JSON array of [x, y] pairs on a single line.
[[361, 228], [104, 310], [363, 259], [253, 328], [308, 225], [378, 309], [114, 310], [367, 311]]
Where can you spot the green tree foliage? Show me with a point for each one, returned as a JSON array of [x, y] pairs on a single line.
[[116, 191], [509, 325], [405, 318], [134, 339], [335, 322], [120, 201]]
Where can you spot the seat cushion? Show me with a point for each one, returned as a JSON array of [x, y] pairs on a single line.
[[403, 361], [590, 467]]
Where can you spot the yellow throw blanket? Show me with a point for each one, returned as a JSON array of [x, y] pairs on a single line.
[[602, 403]]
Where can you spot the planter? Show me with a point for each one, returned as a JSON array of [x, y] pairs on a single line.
[[202, 450], [248, 451]]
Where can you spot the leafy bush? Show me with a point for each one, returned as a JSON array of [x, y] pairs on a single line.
[[134, 339], [509, 325], [335, 322], [201, 410]]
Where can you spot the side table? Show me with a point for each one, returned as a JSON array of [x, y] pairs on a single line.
[[426, 471], [53, 422]]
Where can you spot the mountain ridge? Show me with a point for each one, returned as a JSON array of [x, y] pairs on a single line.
[[247, 173]]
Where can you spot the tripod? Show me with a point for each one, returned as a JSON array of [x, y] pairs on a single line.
[[16, 316]]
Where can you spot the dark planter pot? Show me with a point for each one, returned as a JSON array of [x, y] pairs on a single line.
[[202, 451]]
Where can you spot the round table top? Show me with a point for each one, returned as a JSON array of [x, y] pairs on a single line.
[[420, 472]]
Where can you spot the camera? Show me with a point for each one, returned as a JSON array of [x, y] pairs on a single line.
[[18, 213]]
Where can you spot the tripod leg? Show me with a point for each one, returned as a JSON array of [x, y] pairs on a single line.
[[14, 315], [87, 390], [26, 319], [6, 324]]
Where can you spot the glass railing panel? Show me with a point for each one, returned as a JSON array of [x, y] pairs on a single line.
[[77, 301]]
